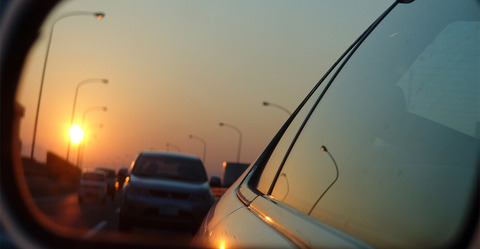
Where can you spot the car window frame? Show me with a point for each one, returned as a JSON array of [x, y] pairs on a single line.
[[247, 188], [257, 202], [247, 191]]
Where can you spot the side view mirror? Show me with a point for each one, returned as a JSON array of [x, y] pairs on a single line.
[[215, 181]]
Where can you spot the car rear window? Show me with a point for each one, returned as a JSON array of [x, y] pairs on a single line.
[[93, 177], [108, 173]]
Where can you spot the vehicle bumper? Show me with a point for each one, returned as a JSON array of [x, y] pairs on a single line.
[[162, 213], [100, 194]]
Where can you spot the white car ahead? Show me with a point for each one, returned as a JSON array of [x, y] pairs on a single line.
[[93, 185]]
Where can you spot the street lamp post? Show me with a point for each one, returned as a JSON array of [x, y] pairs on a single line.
[[265, 103], [90, 109], [204, 145], [98, 15], [239, 141], [173, 146], [81, 148], [104, 81]]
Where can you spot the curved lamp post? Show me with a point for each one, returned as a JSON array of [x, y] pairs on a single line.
[[104, 81], [265, 103], [204, 145], [239, 141], [173, 146], [82, 145], [90, 109], [99, 16]]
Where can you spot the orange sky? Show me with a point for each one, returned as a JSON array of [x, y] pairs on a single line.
[[177, 68]]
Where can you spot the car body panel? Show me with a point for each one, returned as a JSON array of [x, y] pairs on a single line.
[[301, 229], [231, 233], [227, 224]]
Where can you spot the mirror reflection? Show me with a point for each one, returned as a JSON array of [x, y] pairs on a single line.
[[215, 80]]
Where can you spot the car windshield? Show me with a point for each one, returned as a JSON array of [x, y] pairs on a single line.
[[109, 173], [93, 177], [170, 168]]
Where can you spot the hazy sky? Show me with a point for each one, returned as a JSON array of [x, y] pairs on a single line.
[[177, 68]]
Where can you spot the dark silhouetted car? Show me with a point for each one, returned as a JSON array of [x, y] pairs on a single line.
[[231, 172], [165, 190], [384, 151], [111, 177], [121, 177]]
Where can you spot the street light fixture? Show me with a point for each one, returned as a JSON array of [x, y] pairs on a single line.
[[104, 81], [204, 145], [265, 103], [239, 141], [99, 16], [92, 108]]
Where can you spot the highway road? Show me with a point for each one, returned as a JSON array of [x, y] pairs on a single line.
[[93, 219], [96, 220], [91, 216]]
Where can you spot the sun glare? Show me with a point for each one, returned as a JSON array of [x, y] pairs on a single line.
[[76, 134]]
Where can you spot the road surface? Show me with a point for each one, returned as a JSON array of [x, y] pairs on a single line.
[[95, 220]]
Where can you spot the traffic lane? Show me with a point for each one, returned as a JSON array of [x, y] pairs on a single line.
[[68, 212], [151, 237], [147, 236], [138, 235], [97, 221]]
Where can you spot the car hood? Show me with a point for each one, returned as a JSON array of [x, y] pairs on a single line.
[[167, 184]]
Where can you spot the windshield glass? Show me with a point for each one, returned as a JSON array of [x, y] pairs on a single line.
[[93, 177], [170, 168], [108, 172]]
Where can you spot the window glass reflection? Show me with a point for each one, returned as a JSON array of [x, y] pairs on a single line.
[[156, 72], [405, 142], [272, 166]]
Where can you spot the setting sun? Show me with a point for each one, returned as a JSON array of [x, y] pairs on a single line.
[[76, 134]]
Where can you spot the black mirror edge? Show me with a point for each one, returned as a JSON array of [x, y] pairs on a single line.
[[26, 16]]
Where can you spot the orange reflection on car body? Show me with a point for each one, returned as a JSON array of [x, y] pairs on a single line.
[[268, 219], [222, 245]]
